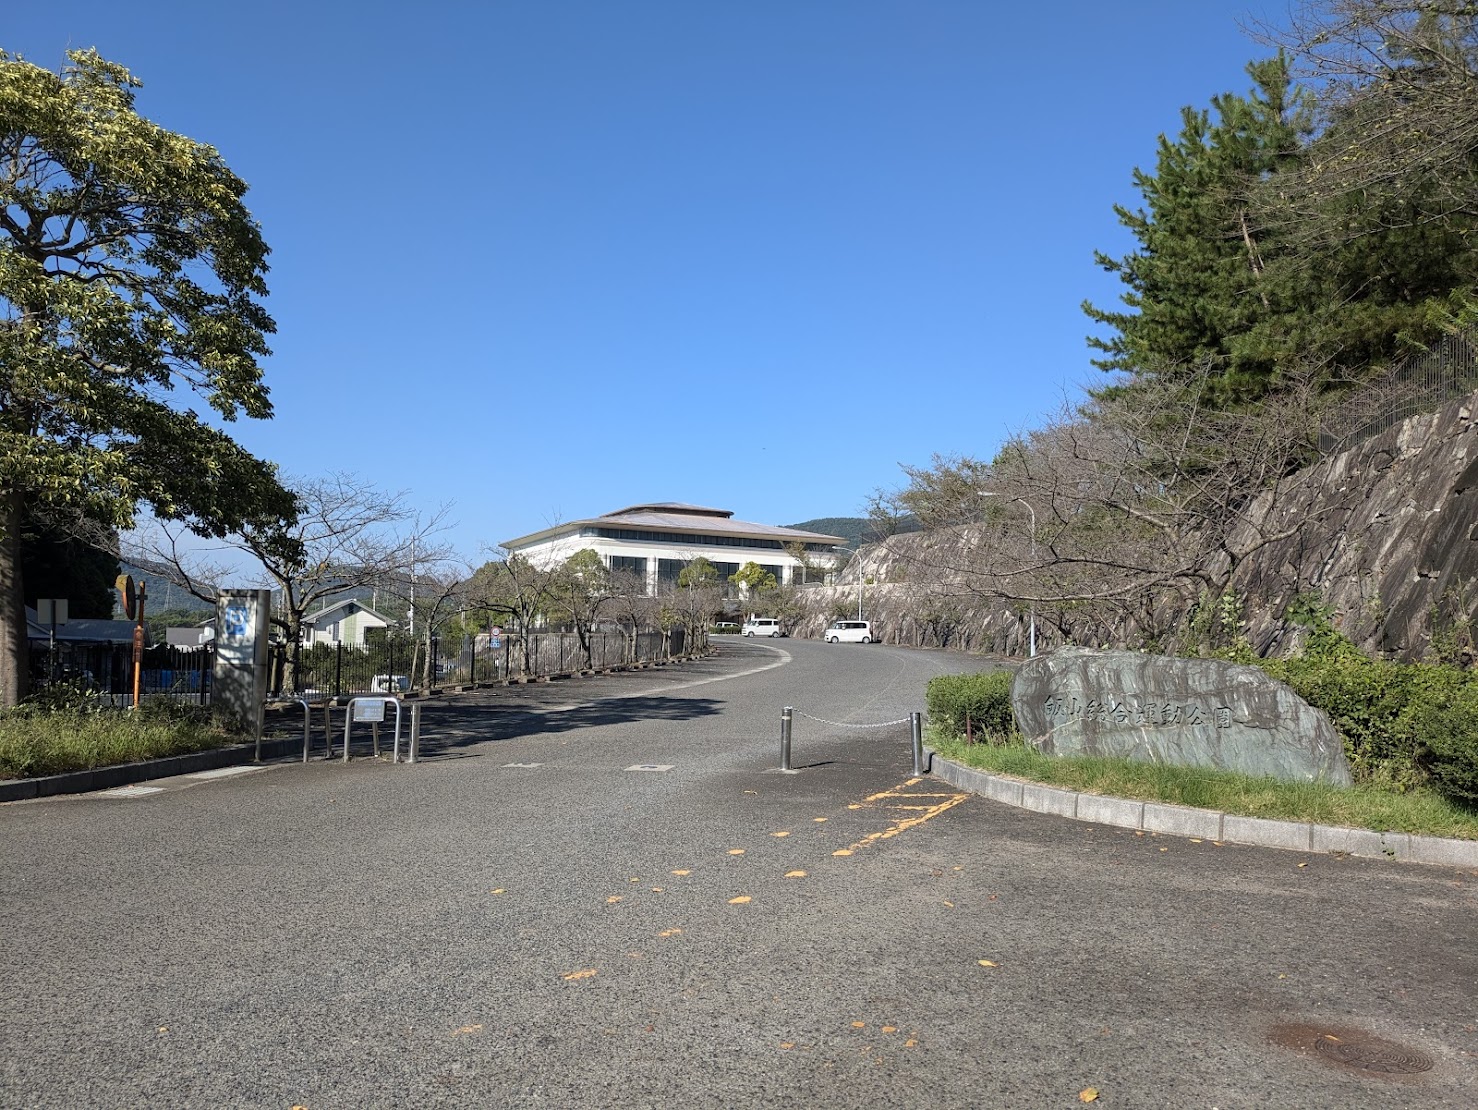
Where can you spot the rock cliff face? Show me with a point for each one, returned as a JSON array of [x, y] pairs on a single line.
[[1387, 536], [1387, 539]]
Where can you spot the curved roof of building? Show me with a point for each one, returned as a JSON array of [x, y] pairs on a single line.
[[675, 517]]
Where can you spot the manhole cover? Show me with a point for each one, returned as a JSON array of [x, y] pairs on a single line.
[[1354, 1048], [1370, 1054]]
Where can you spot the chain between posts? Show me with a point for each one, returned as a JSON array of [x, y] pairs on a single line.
[[915, 721]]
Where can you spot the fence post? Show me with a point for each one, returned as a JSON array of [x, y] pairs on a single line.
[[472, 665], [785, 738], [415, 731], [338, 671], [916, 723]]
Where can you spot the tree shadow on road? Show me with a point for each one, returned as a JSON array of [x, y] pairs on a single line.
[[450, 728]]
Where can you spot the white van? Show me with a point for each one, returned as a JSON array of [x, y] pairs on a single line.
[[763, 626], [852, 632]]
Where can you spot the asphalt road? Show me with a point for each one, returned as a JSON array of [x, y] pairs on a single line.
[[525, 920]]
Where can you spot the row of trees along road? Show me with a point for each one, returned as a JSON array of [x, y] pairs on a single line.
[[1291, 243]]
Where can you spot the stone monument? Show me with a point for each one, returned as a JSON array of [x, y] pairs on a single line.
[[1195, 712]]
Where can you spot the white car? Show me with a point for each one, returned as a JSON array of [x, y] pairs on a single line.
[[852, 632], [390, 684], [763, 626]]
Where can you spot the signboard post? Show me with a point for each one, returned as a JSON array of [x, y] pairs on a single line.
[[239, 679]]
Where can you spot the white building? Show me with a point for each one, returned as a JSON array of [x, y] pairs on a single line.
[[657, 541], [343, 622]]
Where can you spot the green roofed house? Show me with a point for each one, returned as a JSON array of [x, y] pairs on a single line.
[[656, 541], [344, 622]]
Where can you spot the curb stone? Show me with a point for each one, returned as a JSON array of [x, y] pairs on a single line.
[[125, 774], [1204, 823]]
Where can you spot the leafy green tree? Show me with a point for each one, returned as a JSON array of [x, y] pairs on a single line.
[[695, 600], [511, 591], [753, 579], [697, 574], [1202, 279], [580, 590], [55, 563], [128, 266]]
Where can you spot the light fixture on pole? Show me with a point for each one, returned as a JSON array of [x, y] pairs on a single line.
[[1032, 633]]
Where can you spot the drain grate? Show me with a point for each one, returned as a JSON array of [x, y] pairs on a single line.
[[1353, 1048], [1370, 1054]]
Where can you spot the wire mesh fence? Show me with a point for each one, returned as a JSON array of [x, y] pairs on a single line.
[[1422, 383]]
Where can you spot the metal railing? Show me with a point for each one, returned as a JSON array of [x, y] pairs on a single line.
[[1419, 384]]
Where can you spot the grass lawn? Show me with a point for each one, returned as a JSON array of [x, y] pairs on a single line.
[[52, 743], [1359, 807]]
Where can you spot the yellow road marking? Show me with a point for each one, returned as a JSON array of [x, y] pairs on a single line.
[[922, 813]]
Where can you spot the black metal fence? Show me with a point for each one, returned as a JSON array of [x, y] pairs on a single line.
[[106, 670], [343, 670]]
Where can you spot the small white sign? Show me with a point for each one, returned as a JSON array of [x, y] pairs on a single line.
[[369, 709]]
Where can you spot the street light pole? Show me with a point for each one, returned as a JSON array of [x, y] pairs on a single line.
[[1032, 626]]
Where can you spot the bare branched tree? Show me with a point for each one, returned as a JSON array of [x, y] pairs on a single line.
[[1144, 494], [348, 535], [632, 607], [1398, 84], [513, 589]]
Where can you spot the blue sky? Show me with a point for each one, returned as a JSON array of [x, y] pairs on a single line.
[[546, 259]]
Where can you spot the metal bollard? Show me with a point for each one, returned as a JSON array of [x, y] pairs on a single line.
[[785, 739], [916, 723], [415, 731]]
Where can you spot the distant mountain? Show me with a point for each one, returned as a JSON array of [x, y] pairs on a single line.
[[162, 594], [854, 529]]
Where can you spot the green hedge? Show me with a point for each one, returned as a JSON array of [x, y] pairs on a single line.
[[1388, 713], [977, 705]]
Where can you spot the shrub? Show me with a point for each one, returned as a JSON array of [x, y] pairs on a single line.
[[1449, 733], [972, 705], [1380, 708]]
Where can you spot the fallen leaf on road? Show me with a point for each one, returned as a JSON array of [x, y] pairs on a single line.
[[951, 905], [670, 933], [787, 1044], [736, 851], [781, 833], [682, 872], [987, 963], [890, 1029], [859, 1025], [795, 874], [818, 820], [500, 890], [468, 1029], [613, 898], [1088, 1094], [1303, 865], [743, 899], [584, 973], [842, 852]]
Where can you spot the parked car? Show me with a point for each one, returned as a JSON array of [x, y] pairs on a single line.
[[725, 628], [390, 684], [763, 626], [852, 632]]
